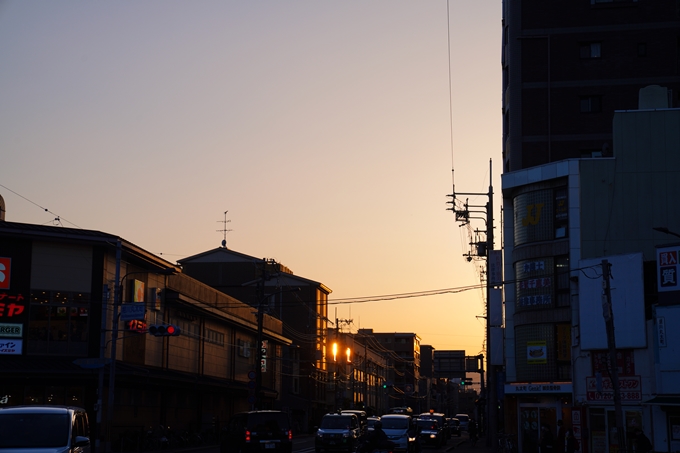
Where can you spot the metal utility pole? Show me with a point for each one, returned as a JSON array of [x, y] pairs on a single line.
[[484, 249], [608, 314]]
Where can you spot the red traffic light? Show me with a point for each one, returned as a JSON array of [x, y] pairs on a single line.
[[164, 330]]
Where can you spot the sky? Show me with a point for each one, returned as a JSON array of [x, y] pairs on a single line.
[[328, 131]]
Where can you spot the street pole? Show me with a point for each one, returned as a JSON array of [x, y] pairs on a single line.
[[608, 314], [114, 339], [463, 215], [491, 379]]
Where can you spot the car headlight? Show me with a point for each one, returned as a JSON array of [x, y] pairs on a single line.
[[319, 433], [411, 439]]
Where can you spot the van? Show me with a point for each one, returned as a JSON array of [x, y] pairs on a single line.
[[397, 427], [361, 415], [48, 429]]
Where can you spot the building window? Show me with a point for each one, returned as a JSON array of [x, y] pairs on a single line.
[[591, 50], [214, 337], [243, 348], [58, 323], [561, 221], [591, 104]]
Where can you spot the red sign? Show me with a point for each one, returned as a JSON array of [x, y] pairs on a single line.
[[630, 388], [5, 271]]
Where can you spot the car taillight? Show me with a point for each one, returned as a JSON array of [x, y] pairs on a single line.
[[290, 434], [247, 436]]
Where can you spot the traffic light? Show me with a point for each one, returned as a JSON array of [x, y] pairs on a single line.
[[463, 382], [164, 330]]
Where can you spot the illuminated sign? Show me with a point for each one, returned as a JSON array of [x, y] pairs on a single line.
[[561, 387], [5, 272], [263, 355], [11, 330], [136, 326], [138, 291], [630, 388], [8, 306], [537, 352], [10, 347]]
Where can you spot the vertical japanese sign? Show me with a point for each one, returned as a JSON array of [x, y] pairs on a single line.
[[667, 268], [263, 355]]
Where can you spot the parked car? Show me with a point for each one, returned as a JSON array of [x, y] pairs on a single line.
[[396, 426], [431, 432], [337, 432], [454, 426], [464, 421], [255, 431], [44, 429]]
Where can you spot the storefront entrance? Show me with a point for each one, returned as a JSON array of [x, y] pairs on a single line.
[[536, 423], [603, 434]]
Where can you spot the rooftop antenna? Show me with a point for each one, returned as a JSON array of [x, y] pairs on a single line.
[[224, 229]]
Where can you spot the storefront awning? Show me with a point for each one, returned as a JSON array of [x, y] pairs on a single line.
[[664, 400]]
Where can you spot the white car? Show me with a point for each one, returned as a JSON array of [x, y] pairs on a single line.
[[396, 426], [44, 429], [464, 420]]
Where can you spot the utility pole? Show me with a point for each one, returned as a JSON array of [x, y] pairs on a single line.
[[261, 360], [463, 215], [608, 314]]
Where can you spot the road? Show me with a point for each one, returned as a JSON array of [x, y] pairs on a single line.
[[305, 444]]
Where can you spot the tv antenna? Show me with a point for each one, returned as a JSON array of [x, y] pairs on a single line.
[[224, 229]]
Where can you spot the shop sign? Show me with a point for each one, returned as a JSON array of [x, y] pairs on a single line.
[[11, 305], [661, 331], [667, 269], [630, 388], [538, 388], [131, 312], [11, 330], [5, 272], [10, 346], [537, 352], [263, 355]]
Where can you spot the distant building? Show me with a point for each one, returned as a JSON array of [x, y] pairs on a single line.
[[404, 349], [301, 305]]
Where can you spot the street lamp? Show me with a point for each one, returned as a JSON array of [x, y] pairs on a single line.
[[666, 231], [118, 299]]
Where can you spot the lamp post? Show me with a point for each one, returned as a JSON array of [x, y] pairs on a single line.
[[666, 231], [118, 300]]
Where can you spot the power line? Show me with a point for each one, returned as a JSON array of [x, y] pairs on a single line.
[[57, 218]]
